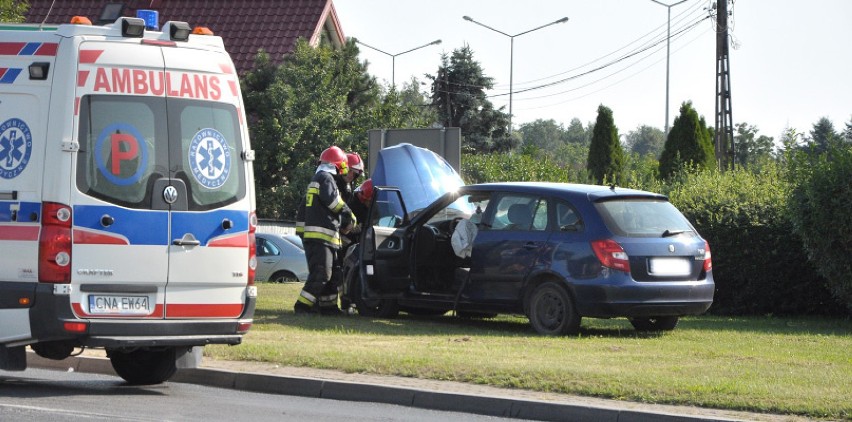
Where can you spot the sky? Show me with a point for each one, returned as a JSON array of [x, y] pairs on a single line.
[[790, 61]]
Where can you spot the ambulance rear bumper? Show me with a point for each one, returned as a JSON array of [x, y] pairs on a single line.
[[50, 315]]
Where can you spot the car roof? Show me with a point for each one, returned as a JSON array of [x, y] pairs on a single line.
[[594, 193]]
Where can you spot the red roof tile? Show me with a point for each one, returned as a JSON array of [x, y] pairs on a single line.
[[245, 26]]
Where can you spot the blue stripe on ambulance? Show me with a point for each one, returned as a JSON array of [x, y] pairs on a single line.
[[135, 225], [10, 75], [28, 212], [208, 225]]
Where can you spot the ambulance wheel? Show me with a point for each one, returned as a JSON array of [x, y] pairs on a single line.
[[144, 366]]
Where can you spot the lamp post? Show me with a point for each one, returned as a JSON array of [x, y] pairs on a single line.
[[512, 52], [668, 41], [393, 56]]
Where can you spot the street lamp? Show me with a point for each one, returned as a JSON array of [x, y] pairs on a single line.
[[512, 52], [393, 56], [668, 41]]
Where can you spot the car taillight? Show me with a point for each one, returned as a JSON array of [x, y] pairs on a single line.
[[252, 262], [54, 244], [708, 263], [611, 254]]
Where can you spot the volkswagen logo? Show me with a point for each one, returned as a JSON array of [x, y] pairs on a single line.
[[170, 194], [671, 247]]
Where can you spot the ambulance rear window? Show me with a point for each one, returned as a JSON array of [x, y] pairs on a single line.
[[127, 143]]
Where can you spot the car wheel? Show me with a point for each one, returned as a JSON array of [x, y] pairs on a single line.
[[552, 312], [660, 323], [283, 277], [382, 308], [144, 366]]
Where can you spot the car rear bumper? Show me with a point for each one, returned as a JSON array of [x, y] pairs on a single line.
[[643, 299]]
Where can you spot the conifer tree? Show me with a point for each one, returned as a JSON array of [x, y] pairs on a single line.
[[689, 143], [606, 157]]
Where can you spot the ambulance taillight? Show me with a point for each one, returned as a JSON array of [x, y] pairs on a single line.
[[54, 244], [252, 262]]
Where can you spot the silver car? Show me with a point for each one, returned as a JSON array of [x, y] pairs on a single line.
[[280, 258]]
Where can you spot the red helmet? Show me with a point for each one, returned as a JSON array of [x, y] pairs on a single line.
[[335, 155], [355, 162], [364, 192]]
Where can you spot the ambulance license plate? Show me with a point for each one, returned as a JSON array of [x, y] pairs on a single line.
[[119, 305]]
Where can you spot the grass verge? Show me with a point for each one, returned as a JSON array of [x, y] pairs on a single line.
[[796, 366]]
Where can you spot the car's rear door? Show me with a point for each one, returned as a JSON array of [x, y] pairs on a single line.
[[507, 249]]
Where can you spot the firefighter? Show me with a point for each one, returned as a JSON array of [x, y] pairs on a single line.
[[346, 182], [326, 216]]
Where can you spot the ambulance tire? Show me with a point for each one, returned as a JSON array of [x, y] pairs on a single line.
[[144, 366]]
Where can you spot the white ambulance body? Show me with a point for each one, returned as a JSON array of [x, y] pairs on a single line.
[[126, 196]]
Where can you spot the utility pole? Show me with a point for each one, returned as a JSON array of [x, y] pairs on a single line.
[[724, 120]]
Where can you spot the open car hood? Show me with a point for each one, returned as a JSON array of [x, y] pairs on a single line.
[[421, 175]]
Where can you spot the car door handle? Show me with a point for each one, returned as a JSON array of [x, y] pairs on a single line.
[[530, 245]]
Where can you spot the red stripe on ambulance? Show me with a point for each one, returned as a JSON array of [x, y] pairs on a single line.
[[204, 310], [19, 233], [47, 49], [82, 237], [90, 56], [236, 241]]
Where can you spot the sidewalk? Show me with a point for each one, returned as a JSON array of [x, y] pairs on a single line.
[[429, 394]]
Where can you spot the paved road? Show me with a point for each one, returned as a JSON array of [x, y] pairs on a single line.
[[416, 393], [61, 396]]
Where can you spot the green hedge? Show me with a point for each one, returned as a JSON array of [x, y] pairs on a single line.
[[759, 263], [821, 212]]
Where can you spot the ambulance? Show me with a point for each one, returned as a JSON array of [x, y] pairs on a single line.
[[127, 210]]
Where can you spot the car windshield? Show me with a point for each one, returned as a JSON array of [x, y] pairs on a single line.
[[643, 218]]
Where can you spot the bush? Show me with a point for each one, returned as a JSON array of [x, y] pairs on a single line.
[[821, 212], [759, 264], [516, 167]]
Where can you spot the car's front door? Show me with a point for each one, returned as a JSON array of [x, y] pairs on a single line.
[[385, 247]]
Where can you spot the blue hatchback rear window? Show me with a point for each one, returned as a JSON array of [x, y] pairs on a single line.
[[643, 218]]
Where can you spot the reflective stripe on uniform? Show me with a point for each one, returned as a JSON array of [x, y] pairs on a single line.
[[328, 301], [307, 298], [334, 240], [336, 205]]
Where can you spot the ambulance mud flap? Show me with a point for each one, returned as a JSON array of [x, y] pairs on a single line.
[[13, 358]]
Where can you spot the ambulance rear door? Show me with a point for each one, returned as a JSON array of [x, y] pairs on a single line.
[[121, 239], [209, 249]]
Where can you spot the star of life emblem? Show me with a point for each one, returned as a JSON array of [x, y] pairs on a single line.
[[210, 158], [16, 144]]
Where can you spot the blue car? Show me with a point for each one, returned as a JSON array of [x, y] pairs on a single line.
[[550, 251]]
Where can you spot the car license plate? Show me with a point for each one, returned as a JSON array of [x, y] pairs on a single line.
[[670, 267], [119, 305]]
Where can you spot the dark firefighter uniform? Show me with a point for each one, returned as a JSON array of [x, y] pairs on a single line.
[[324, 214]]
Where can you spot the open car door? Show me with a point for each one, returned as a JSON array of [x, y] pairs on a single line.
[[386, 245]]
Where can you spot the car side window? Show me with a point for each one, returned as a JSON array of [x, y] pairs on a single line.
[[567, 218], [515, 212], [266, 248]]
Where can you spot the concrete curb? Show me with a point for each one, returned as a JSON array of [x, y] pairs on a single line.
[[404, 396]]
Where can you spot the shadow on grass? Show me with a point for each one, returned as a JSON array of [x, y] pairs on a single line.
[[510, 325], [448, 324]]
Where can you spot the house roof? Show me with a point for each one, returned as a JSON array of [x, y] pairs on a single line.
[[245, 26]]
